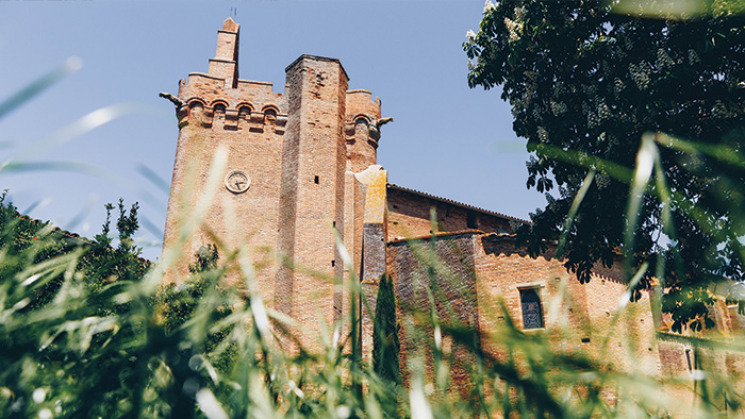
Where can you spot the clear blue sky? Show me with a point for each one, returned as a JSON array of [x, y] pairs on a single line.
[[447, 139]]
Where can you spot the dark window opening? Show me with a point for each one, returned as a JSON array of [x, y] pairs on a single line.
[[471, 220], [585, 340], [532, 310], [315, 180], [361, 129], [220, 111], [270, 115], [333, 263]]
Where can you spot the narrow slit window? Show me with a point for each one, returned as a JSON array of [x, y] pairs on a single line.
[[315, 180], [532, 310], [688, 359]]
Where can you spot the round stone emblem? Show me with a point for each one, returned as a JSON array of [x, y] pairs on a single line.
[[237, 181]]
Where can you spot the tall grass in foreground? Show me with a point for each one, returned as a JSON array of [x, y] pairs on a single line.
[[135, 348], [76, 343]]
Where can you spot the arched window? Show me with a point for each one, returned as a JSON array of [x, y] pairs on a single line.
[[219, 111], [532, 310], [196, 112], [360, 128], [244, 112], [270, 115], [196, 108]]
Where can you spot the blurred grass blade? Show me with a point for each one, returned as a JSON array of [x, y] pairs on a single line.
[[661, 9], [70, 65], [80, 127], [420, 408], [151, 227], [209, 405], [573, 211], [645, 160], [41, 166], [614, 170], [721, 152], [153, 177]]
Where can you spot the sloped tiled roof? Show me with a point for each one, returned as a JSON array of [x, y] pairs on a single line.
[[456, 203]]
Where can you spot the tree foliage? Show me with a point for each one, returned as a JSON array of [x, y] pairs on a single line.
[[585, 84]]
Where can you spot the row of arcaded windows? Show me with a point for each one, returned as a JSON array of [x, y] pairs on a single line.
[[244, 112]]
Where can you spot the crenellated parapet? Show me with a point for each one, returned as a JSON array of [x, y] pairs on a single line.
[[220, 100], [212, 103]]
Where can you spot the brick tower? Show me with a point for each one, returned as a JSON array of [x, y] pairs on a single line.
[[290, 180]]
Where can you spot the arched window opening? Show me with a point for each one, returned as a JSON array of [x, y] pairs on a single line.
[[196, 109], [532, 310], [361, 128], [270, 116], [219, 111], [244, 113]]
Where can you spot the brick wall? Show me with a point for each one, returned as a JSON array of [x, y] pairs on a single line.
[[312, 193], [477, 271], [453, 291], [409, 215]]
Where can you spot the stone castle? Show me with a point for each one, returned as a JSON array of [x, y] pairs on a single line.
[[301, 175]]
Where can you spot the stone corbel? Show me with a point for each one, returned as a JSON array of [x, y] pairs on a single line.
[[256, 122], [280, 123], [349, 128], [231, 119]]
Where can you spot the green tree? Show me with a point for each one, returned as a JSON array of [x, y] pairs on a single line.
[[104, 263], [386, 343], [585, 84]]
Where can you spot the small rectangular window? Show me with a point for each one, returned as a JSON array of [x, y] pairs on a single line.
[[531, 307], [316, 180], [471, 220]]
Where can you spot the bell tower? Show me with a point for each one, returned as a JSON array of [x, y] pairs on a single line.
[[247, 120], [290, 184]]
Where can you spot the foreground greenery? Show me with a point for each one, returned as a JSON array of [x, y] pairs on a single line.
[[85, 338]]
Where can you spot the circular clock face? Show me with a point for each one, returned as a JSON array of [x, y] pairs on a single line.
[[237, 181]]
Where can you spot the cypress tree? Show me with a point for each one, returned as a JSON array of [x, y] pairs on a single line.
[[385, 334]]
